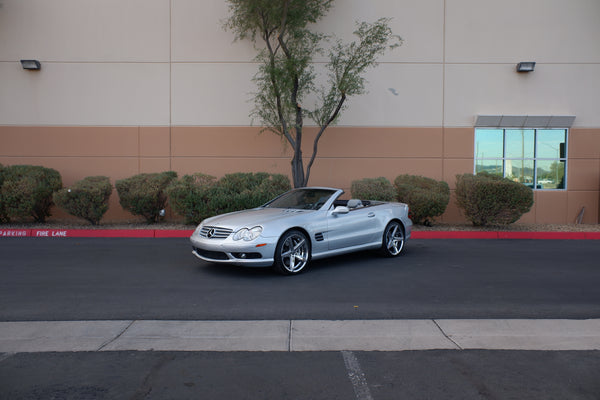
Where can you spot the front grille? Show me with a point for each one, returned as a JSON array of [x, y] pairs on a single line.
[[213, 255], [213, 232]]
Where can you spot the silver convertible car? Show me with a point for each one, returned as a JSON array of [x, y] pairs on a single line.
[[300, 225]]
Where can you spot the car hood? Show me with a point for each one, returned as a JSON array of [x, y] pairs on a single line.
[[254, 217]]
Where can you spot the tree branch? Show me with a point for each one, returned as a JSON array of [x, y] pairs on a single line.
[[295, 78], [276, 90], [332, 118]]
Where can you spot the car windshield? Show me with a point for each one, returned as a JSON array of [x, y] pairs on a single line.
[[302, 199]]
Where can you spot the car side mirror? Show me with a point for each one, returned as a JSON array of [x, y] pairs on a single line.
[[341, 210]]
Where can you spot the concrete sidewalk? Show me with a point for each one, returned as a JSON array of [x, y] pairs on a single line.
[[299, 335]]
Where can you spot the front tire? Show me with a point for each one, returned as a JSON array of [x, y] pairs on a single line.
[[393, 239], [292, 253]]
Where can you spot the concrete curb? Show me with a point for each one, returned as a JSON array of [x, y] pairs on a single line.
[[96, 233], [299, 335], [184, 233], [505, 235]]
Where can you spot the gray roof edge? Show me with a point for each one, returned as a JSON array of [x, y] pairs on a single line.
[[524, 121]]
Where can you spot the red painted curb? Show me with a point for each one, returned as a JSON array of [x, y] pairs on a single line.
[[184, 233], [505, 235], [542, 235], [453, 235], [94, 233], [592, 235], [15, 232], [166, 233]]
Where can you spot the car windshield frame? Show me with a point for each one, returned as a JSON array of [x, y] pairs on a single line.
[[302, 199]]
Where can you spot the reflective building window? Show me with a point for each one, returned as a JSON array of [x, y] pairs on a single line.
[[535, 157]]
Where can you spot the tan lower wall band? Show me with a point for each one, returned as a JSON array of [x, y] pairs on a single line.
[[345, 154]]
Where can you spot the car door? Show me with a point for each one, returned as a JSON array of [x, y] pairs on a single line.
[[357, 227]]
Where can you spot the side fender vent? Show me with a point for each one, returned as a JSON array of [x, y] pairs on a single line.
[[319, 237]]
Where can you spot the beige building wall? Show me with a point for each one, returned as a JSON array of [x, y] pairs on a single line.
[[131, 86]]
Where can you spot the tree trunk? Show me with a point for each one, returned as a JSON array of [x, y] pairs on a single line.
[[297, 163], [298, 169]]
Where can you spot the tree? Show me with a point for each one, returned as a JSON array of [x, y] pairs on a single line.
[[286, 77]]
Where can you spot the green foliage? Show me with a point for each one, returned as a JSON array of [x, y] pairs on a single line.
[[489, 199], [249, 17], [373, 189], [426, 197], [87, 198], [241, 191], [26, 191], [144, 194], [190, 197], [199, 196], [286, 77]]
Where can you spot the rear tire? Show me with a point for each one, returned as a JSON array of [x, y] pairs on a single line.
[[292, 253], [393, 239]]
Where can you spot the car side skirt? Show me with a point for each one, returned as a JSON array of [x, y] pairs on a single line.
[[345, 250]]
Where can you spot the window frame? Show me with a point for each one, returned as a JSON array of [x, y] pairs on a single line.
[[535, 159]]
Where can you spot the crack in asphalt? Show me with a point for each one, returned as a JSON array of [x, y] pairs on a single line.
[[146, 387]]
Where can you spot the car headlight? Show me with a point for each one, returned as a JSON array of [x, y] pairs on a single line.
[[248, 234]]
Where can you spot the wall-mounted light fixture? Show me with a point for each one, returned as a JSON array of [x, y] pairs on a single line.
[[526, 66], [34, 65]]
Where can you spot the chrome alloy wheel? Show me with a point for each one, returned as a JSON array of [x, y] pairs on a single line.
[[293, 253], [393, 239]]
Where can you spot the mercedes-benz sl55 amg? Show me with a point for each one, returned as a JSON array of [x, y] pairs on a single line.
[[302, 225]]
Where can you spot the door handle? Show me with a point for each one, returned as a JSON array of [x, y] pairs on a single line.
[[371, 214]]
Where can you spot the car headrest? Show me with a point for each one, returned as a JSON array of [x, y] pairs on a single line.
[[354, 203]]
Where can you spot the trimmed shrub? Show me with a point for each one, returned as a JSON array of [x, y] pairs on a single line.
[[373, 189], [240, 191], [87, 198], [426, 197], [190, 195], [199, 196], [144, 194], [27, 191], [489, 199]]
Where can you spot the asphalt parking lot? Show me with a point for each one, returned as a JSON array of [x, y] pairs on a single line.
[[159, 279], [155, 283], [436, 374]]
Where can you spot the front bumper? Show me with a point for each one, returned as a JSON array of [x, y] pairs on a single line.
[[228, 251]]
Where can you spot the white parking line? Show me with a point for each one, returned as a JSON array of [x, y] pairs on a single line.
[[357, 377]]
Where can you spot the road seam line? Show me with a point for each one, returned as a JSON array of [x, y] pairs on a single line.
[[357, 377], [446, 336], [116, 337], [290, 336]]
